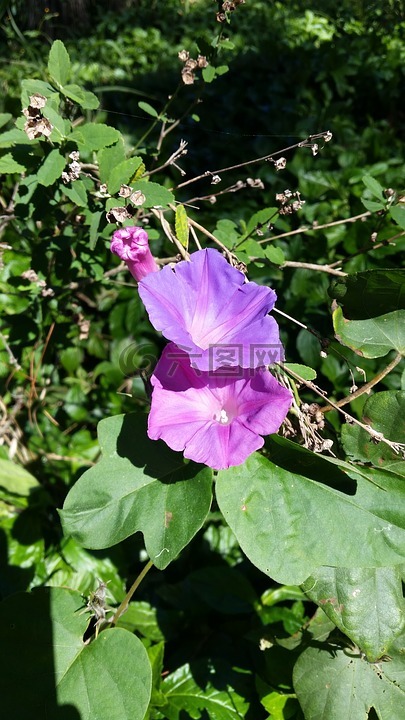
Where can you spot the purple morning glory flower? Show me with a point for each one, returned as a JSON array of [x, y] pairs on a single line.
[[217, 418], [131, 244], [207, 307]]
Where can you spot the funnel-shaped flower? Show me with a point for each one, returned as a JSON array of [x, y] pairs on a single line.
[[131, 244], [207, 308], [216, 419]]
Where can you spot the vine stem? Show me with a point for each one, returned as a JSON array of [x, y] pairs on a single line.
[[365, 388], [124, 605]]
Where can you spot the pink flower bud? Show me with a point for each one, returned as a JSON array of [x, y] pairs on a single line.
[[131, 244]]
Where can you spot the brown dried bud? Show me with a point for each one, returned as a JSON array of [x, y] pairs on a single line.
[[188, 76], [137, 198], [125, 191], [202, 61], [37, 101], [35, 127], [183, 55], [118, 214]]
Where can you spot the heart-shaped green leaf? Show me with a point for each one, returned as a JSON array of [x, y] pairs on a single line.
[[139, 485]]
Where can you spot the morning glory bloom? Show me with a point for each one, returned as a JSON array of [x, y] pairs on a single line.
[[207, 308], [216, 418], [131, 244]]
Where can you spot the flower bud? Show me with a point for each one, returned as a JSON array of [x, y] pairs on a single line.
[[131, 244]]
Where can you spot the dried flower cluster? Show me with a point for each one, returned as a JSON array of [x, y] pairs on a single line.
[[228, 6], [36, 124], [74, 168], [289, 205], [190, 65], [32, 277]]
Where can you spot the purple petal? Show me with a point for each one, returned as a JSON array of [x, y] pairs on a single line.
[[205, 304], [131, 244], [214, 419]]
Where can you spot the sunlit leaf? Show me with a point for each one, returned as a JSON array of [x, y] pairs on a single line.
[[59, 63], [138, 486], [366, 604], [374, 337], [288, 523], [42, 640]]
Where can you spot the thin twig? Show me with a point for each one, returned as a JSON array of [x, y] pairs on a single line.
[[310, 228], [208, 173], [313, 266], [365, 388], [398, 448]]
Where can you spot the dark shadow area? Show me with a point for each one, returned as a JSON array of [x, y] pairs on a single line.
[[296, 459], [27, 671], [155, 456], [12, 578]]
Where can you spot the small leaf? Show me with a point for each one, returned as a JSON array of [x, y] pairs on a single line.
[[214, 695], [9, 165], [122, 173], [397, 213], [208, 73], [51, 169], [385, 413], [94, 228], [155, 195], [305, 372], [181, 224], [77, 193], [374, 186], [374, 337], [95, 136], [59, 63], [372, 205], [366, 604], [148, 109], [87, 100], [274, 254], [109, 157], [15, 479], [4, 118]]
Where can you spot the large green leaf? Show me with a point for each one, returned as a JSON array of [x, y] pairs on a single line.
[[42, 641], [374, 337], [139, 485], [385, 413], [288, 524], [59, 63], [200, 691], [370, 293], [335, 684], [365, 603]]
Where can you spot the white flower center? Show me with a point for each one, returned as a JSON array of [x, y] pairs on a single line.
[[224, 416]]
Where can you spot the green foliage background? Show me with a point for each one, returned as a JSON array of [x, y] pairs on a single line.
[[223, 638]]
